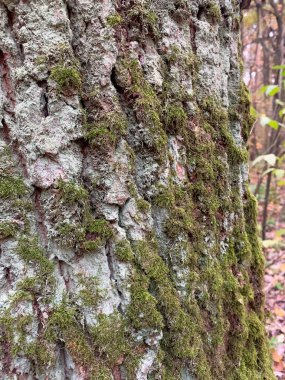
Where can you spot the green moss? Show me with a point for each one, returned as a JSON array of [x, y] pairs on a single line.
[[8, 229], [173, 55], [29, 250], [236, 154], [90, 295], [179, 222], [11, 187], [41, 60], [70, 234], [133, 190], [213, 11], [147, 259], [106, 131], [20, 296], [102, 347], [142, 311], [192, 62], [218, 118], [7, 325], [91, 245], [169, 372], [14, 331], [240, 110], [219, 279], [257, 258], [72, 193], [63, 325], [123, 251], [27, 283], [144, 19], [100, 227], [254, 359], [89, 235], [101, 373], [181, 335], [109, 337], [212, 112], [61, 318], [165, 197], [30, 287], [66, 77], [146, 104], [142, 205], [39, 353], [175, 118], [97, 232], [114, 20]]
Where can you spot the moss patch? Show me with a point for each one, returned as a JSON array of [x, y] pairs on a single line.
[[66, 77], [85, 232], [114, 20], [145, 102], [11, 187], [8, 229], [30, 251], [107, 131], [213, 11]]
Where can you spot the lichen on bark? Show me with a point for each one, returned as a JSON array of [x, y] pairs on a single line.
[[128, 236]]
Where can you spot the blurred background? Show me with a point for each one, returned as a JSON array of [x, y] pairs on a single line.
[[263, 47]]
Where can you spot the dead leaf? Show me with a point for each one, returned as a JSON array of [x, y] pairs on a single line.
[[276, 356], [278, 311]]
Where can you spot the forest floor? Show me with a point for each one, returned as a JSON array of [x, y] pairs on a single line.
[[274, 284]]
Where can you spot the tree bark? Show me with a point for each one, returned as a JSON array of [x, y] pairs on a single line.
[[129, 247]]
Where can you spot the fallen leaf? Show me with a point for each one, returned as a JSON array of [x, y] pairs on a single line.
[[276, 356], [278, 311], [279, 366], [282, 267]]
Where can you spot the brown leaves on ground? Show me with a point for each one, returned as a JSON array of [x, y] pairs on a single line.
[[275, 309], [274, 288]]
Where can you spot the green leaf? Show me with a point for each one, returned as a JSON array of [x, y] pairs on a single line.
[[279, 173], [280, 232], [279, 286], [265, 120], [273, 342], [269, 158], [281, 183], [278, 67], [281, 112], [273, 124], [270, 90]]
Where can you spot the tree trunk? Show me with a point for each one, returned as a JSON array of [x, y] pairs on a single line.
[[129, 247]]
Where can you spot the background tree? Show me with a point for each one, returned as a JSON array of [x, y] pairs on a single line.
[[128, 239], [263, 40]]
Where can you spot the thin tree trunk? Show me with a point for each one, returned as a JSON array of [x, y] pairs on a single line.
[[129, 247]]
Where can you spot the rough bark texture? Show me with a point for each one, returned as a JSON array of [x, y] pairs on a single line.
[[128, 234]]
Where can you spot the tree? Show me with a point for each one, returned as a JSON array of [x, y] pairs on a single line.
[[129, 247], [263, 47]]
